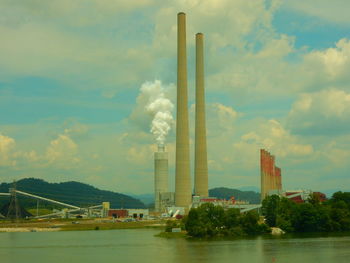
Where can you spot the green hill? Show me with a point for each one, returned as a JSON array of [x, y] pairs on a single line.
[[74, 193], [225, 193]]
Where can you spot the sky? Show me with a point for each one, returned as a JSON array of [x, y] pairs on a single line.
[[276, 77]]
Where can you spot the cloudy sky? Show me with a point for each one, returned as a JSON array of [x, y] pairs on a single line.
[[277, 77]]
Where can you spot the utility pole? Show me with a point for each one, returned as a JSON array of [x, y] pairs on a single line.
[[13, 206]]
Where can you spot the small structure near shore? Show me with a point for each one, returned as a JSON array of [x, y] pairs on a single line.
[[276, 231]]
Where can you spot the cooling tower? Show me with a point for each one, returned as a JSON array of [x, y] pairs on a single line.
[[160, 176], [201, 162], [182, 174]]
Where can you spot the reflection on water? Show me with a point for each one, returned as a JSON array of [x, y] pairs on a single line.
[[141, 246]]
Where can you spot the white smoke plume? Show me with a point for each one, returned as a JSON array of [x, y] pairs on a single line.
[[160, 108]]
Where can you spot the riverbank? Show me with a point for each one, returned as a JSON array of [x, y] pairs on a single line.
[[76, 225], [27, 229]]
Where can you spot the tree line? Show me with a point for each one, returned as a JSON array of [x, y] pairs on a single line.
[[209, 220], [332, 215]]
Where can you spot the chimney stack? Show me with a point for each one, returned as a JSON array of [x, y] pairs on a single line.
[[183, 194], [201, 162], [160, 176]]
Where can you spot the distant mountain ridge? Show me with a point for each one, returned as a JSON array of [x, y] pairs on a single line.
[[74, 193], [147, 199], [249, 195], [84, 195]]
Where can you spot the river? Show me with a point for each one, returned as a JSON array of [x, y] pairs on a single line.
[[140, 245]]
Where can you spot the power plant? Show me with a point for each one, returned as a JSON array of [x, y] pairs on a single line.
[[270, 174], [180, 201]]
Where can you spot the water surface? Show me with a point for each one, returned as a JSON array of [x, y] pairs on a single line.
[[140, 245]]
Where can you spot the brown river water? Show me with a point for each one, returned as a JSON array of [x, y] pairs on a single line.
[[140, 245]]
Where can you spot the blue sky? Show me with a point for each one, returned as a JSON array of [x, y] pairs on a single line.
[[276, 77]]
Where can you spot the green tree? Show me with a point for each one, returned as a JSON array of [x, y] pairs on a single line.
[[285, 212], [341, 196], [232, 216], [270, 209], [209, 220], [205, 221], [305, 218], [249, 222]]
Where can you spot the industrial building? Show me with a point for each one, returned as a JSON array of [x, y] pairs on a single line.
[[129, 213]]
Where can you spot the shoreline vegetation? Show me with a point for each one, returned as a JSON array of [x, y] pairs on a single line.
[[280, 215], [210, 221], [332, 215]]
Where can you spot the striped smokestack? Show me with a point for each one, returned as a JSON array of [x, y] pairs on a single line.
[[263, 178], [182, 174], [272, 174], [279, 178], [201, 162], [266, 172]]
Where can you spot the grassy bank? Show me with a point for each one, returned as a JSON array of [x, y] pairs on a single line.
[[81, 224], [182, 234], [110, 225]]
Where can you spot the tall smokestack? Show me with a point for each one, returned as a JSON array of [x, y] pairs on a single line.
[[182, 174], [160, 176], [201, 162]]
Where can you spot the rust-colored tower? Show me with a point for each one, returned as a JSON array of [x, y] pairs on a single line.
[[271, 178], [263, 173]]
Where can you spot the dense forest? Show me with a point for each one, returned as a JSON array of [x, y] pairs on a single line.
[[312, 216], [225, 193], [74, 193]]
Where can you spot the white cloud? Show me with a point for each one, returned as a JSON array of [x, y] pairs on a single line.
[[335, 11], [99, 44], [335, 61], [271, 135], [7, 145], [222, 116], [321, 113], [75, 129], [62, 152], [73, 13], [140, 154]]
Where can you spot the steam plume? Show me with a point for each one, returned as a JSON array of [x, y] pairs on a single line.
[[160, 108]]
